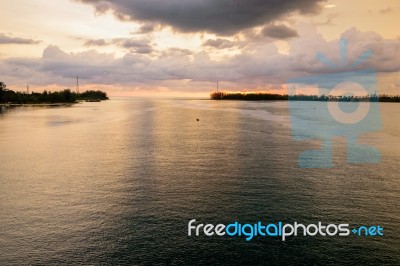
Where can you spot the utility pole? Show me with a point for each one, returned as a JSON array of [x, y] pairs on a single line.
[[27, 88], [77, 84], [217, 86]]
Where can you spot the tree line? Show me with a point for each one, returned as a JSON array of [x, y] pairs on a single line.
[[262, 96], [64, 96]]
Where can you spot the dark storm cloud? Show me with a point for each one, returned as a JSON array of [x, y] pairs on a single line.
[[279, 32], [222, 17], [4, 39]]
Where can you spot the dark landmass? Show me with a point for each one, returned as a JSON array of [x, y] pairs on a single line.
[[279, 97], [48, 97]]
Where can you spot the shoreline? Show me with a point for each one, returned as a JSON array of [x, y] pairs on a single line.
[[37, 104], [218, 96], [11, 106]]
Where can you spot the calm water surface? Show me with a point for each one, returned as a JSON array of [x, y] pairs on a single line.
[[116, 182]]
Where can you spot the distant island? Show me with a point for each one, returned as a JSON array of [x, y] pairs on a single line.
[[263, 96], [11, 97]]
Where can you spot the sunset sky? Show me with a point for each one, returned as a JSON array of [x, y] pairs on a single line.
[[139, 47]]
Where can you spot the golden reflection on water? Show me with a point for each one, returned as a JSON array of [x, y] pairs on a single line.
[[99, 182]]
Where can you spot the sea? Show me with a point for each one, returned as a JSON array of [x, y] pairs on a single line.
[[117, 182]]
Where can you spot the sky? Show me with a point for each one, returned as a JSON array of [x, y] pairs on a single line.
[[182, 47]]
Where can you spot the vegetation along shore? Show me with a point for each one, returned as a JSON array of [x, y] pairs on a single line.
[[12, 98], [262, 96]]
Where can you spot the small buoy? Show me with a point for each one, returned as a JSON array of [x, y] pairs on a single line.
[[197, 119]]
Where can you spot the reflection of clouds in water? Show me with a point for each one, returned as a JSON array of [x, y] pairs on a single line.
[[253, 109]]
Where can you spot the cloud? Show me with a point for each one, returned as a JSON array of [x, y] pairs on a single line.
[[140, 46], [146, 28], [279, 31], [89, 64], [135, 45], [224, 17], [219, 43], [250, 68], [174, 51], [385, 52], [4, 39], [98, 42]]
